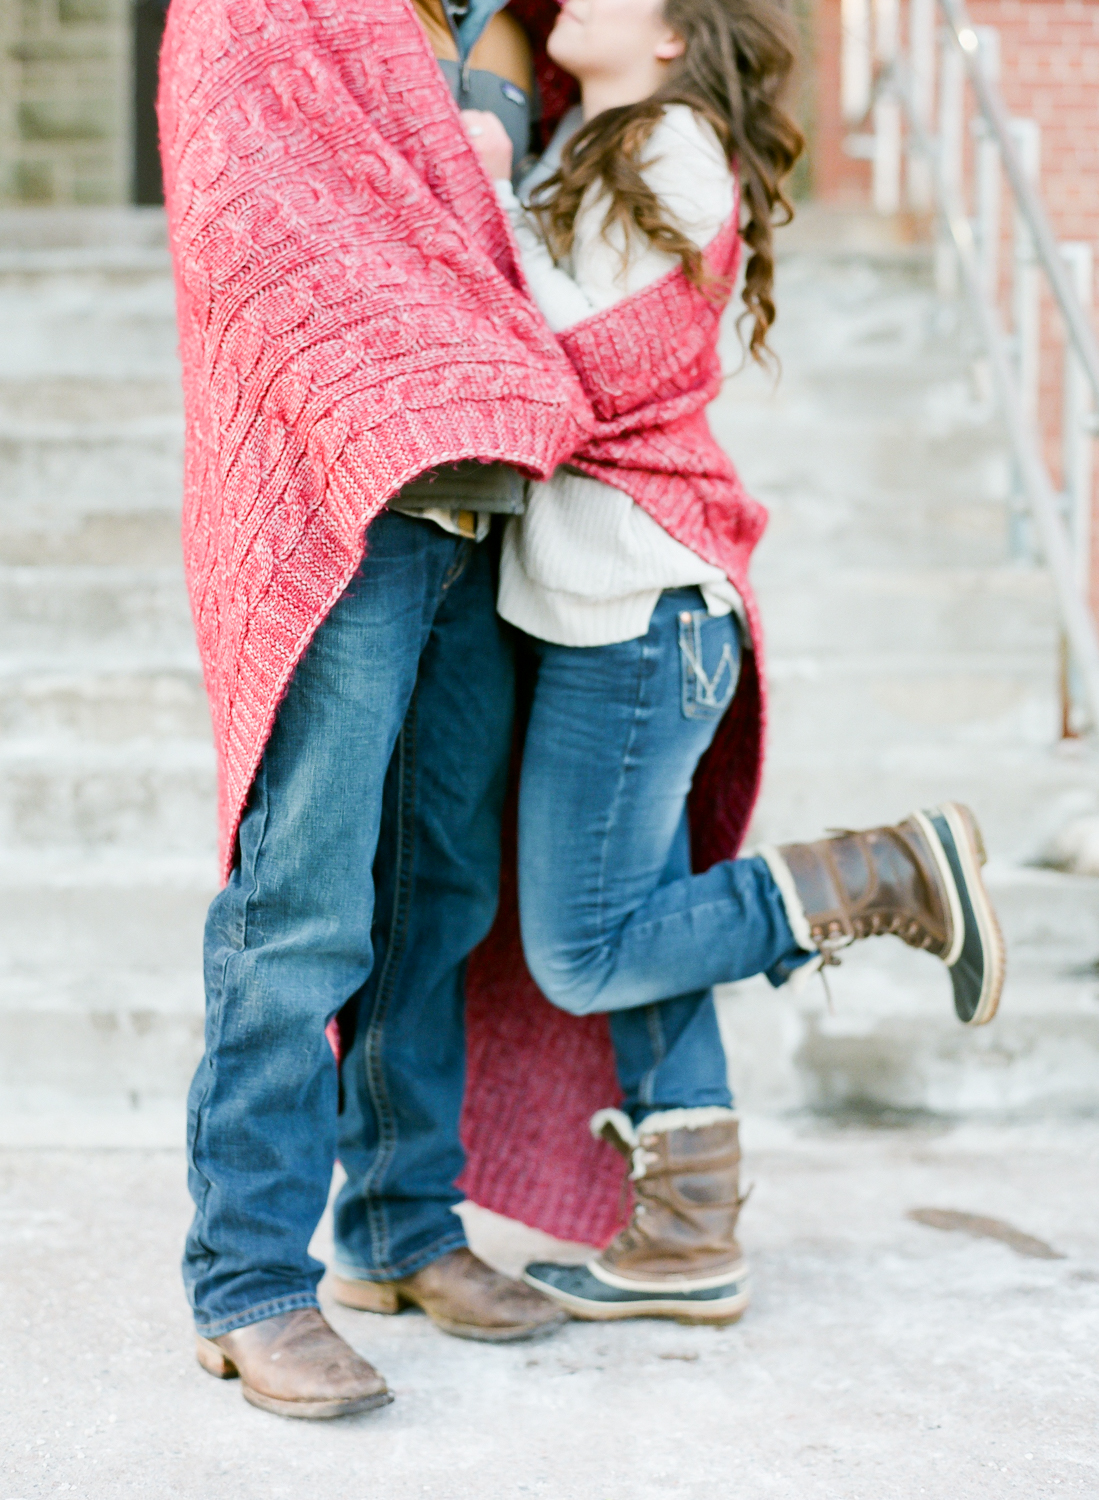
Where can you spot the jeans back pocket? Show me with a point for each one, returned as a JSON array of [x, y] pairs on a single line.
[[709, 660]]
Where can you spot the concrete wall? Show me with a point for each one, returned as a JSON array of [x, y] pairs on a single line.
[[65, 102]]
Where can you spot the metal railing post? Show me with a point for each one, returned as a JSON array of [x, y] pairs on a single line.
[[951, 109], [1030, 204], [1033, 474], [1077, 461], [1025, 326], [989, 183], [1077, 429], [887, 110], [921, 50], [856, 60], [1027, 135]]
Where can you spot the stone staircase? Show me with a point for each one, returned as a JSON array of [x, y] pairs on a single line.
[[106, 769], [909, 660]]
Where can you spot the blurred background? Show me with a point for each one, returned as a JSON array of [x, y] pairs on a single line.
[[927, 579]]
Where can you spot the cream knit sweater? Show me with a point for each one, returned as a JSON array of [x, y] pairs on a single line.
[[585, 566]]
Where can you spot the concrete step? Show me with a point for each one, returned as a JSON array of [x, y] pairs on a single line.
[[1020, 795], [875, 428], [112, 912], [143, 536], [908, 663], [157, 699], [49, 403], [1050, 920], [878, 445], [892, 1042], [796, 438], [994, 698], [51, 477], [150, 796], [936, 610], [94, 913], [812, 527], [79, 322], [132, 1038], [52, 609], [106, 230]]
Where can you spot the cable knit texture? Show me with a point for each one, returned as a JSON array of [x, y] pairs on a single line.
[[351, 314]]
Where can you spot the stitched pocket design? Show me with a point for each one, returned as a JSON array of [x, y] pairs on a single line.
[[709, 663]]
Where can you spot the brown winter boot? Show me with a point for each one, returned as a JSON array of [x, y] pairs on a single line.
[[678, 1257], [919, 880]]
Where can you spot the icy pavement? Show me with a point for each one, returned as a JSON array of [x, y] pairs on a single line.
[[881, 1357]]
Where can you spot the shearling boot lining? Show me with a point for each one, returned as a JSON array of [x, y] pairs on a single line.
[[795, 912], [619, 1122], [685, 1119], [659, 1122]]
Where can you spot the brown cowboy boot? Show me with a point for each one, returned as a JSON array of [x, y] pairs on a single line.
[[678, 1257], [919, 880], [462, 1296], [296, 1365]]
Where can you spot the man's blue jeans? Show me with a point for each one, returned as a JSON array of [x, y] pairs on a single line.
[[367, 871], [612, 917]]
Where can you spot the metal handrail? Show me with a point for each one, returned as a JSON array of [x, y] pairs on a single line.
[[1078, 622], [1077, 324], [1026, 444]]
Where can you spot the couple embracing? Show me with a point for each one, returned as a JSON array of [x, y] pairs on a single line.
[[468, 568]]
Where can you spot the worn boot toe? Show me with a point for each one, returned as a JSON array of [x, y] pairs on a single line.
[[296, 1365], [462, 1296]]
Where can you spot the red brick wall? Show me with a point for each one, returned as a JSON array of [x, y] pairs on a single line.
[[1049, 72], [836, 178]]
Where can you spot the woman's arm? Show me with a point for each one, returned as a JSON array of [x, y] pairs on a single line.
[[561, 300]]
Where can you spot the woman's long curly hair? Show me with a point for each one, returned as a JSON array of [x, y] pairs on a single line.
[[735, 72]]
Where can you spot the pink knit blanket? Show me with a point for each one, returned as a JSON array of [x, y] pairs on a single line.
[[352, 314], [650, 366]]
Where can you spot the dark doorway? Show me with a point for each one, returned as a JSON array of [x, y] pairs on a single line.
[[148, 22]]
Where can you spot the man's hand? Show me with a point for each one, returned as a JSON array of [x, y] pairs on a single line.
[[490, 141]]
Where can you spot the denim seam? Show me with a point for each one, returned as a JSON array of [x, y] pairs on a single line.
[[260, 773], [200, 1106], [656, 921], [643, 656], [458, 566], [658, 1043], [373, 1043], [257, 1314]]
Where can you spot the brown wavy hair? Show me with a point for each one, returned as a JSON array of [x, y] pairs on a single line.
[[735, 72]]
